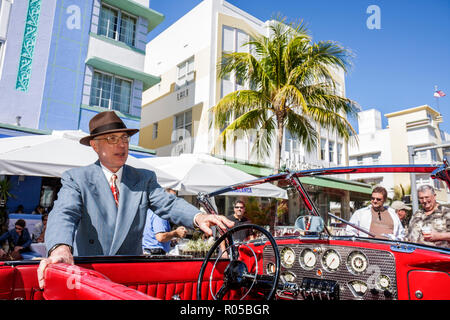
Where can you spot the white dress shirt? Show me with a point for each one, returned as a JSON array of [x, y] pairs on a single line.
[[108, 175], [363, 218]]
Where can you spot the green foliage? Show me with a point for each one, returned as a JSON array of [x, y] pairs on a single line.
[[292, 86], [400, 191], [5, 187], [261, 214]]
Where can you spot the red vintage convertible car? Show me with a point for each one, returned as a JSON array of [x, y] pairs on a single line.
[[313, 266]]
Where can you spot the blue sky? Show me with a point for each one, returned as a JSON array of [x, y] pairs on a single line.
[[394, 67]]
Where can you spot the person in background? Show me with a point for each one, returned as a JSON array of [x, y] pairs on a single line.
[[39, 210], [19, 209], [158, 234], [19, 242], [39, 229], [431, 224], [401, 209], [381, 221], [239, 218]]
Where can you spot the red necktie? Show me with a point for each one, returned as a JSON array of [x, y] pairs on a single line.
[[114, 189]]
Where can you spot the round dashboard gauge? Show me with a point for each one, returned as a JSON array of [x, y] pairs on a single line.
[[288, 276], [308, 259], [270, 268], [383, 282], [287, 257], [331, 260], [357, 262]]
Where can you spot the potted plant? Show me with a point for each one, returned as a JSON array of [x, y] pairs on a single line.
[[197, 247]]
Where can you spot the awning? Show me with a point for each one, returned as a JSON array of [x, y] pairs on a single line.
[[250, 169], [326, 182], [338, 184], [105, 65], [154, 18]]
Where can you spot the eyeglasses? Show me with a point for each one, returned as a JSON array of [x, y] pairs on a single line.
[[115, 139], [377, 199], [239, 207], [19, 228]]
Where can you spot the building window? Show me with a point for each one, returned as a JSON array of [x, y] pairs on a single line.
[[127, 29], [330, 151], [185, 71], [111, 92], [234, 40], [360, 160], [155, 131], [291, 143], [117, 25], [183, 125], [375, 158], [339, 153], [434, 155], [2, 45], [323, 143]]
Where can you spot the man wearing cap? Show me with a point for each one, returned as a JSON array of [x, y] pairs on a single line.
[[101, 208], [401, 210]]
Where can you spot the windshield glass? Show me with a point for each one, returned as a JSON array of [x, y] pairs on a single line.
[[373, 210]]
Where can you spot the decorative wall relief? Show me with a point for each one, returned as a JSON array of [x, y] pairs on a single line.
[[28, 44]]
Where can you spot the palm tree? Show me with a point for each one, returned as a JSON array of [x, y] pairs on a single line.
[[292, 86]]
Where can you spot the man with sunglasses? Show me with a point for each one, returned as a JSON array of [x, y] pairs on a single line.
[[238, 218], [101, 208], [379, 220]]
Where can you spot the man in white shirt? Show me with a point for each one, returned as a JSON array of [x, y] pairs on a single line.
[[379, 220]]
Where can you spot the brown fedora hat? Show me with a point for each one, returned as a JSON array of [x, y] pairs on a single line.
[[106, 122]]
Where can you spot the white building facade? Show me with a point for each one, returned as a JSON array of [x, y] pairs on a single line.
[[417, 127], [176, 113]]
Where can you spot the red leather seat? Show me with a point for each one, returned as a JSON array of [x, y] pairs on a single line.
[[68, 282]]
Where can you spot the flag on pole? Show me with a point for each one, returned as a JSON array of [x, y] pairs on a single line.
[[439, 93]]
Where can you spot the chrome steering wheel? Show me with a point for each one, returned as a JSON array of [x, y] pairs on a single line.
[[236, 274]]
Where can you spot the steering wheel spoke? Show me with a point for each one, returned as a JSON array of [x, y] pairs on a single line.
[[236, 274], [222, 291]]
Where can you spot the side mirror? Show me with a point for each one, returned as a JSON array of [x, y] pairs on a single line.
[[310, 223]]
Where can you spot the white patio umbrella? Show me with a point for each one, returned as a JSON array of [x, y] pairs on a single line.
[[204, 173], [51, 155]]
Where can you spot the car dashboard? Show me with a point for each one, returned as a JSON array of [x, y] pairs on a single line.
[[322, 271]]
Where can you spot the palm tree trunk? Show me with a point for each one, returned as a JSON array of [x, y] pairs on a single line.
[[279, 146], [274, 202]]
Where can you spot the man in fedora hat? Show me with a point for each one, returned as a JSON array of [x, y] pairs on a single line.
[[101, 208]]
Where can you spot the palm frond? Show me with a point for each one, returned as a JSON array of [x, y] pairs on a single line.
[[332, 120], [237, 103], [300, 127], [294, 82], [264, 137]]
